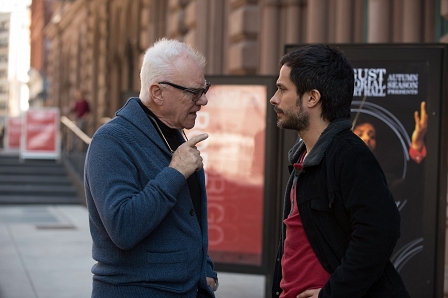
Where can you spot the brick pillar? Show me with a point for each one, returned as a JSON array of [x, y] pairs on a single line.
[[317, 21], [412, 21], [444, 13], [243, 32], [293, 22], [269, 37], [344, 17], [379, 13]]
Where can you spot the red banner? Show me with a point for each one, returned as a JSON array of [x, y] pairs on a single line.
[[40, 133], [13, 133], [235, 120]]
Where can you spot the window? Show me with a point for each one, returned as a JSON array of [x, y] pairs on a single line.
[[4, 89], [4, 26], [4, 43]]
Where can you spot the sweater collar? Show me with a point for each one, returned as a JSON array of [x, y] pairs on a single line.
[[166, 130], [134, 114]]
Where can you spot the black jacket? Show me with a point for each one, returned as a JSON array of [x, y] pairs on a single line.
[[349, 216]]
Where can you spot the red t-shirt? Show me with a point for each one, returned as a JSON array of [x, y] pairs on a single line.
[[300, 267], [81, 108]]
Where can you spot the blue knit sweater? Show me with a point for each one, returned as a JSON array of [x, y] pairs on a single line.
[[146, 238]]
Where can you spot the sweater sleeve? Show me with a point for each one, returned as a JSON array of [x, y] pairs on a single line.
[[132, 193]]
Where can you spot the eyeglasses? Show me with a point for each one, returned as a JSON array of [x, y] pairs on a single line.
[[197, 92]]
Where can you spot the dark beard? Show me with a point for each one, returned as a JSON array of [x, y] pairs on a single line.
[[299, 122]]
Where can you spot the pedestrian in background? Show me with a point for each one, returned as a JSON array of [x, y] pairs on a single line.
[[340, 222], [81, 109], [145, 185]]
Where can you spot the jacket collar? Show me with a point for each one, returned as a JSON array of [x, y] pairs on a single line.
[[316, 155]]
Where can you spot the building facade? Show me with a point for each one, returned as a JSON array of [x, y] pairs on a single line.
[[14, 58], [98, 45], [41, 13], [4, 59]]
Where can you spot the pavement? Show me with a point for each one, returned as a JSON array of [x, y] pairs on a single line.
[[45, 252]]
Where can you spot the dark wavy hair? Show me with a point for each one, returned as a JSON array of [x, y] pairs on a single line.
[[327, 70]]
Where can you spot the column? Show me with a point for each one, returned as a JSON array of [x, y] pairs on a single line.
[[378, 21], [412, 21], [317, 21], [269, 37], [293, 22], [344, 21]]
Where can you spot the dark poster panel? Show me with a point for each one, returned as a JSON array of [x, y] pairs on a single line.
[[392, 83], [387, 94], [238, 123]]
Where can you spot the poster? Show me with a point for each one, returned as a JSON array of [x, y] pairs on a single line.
[[234, 158], [13, 133], [395, 86], [386, 97], [40, 134]]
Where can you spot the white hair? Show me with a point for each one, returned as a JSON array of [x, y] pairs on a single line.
[[159, 60]]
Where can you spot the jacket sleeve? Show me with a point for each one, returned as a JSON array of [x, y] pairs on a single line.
[[210, 268], [130, 202], [375, 223]]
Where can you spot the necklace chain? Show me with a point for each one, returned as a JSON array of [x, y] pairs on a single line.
[[163, 136]]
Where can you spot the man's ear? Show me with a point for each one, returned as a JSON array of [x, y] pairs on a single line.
[[156, 93], [314, 98]]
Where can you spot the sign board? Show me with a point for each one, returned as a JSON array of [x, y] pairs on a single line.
[[394, 85], [240, 122], [13, 131], [40, 134]]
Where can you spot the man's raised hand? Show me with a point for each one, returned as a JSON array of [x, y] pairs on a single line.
[[187, 158]]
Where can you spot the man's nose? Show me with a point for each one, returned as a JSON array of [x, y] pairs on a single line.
[[203, 100], [274, 100]]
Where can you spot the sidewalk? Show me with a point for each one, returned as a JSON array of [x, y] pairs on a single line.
[[45, 252]]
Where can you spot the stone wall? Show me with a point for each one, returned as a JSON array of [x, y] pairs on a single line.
[[98, 45]]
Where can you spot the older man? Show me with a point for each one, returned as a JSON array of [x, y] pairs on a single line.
[[145, 185]]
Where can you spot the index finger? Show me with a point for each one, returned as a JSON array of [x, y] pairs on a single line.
[[422, 109], [196, 139]]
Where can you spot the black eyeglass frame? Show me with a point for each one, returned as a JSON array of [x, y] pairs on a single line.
[[197, 92]]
